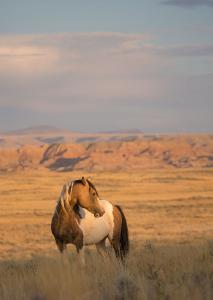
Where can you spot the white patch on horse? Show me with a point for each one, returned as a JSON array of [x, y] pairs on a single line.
[[96, 229]]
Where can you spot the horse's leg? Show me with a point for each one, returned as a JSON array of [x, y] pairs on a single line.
[[101, 247], [116, 246], [81, 255], [61, 246]]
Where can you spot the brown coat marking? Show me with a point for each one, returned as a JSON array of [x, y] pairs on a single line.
[[117, 228], [65, 228]]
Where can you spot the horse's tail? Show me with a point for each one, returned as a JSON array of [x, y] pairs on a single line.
[[124, 236]]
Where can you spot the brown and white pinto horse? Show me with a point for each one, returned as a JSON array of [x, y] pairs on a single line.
[[81, 218]]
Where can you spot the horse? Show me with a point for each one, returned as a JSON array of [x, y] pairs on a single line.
[[82, 219]]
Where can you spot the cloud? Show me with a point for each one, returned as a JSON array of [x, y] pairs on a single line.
[[42, 71], [107, 79], [193, 50], [189, 3], [26, 59]]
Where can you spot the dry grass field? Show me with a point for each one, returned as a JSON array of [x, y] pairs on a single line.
[[170, 217]]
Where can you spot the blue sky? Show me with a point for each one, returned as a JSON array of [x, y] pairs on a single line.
[[50, 16], [107, 65]]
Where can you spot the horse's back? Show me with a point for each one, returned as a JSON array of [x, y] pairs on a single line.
[[96, 229]]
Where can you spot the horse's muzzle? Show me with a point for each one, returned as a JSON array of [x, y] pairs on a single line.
[[99, 214]]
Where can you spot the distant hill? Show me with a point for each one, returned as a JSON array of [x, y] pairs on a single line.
[[130, 131], [67, 151], [39, 135], [33, 130]]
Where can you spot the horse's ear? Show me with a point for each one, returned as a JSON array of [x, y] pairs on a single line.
[[84, 181]]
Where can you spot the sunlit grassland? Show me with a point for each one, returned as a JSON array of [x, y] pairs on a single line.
[[151, 272], [170, 217]]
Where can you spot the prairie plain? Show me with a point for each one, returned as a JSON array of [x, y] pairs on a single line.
[[160, 205], [170, 218]]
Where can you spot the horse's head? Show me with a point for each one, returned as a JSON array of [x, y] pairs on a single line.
[[83, 192]]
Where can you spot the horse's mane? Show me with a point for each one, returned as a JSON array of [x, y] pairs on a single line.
[[62, 201], [92, 186]]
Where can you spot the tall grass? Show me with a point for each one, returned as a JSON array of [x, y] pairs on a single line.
[[151, 272]]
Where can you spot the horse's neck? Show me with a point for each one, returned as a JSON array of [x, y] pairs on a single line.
[[73, 213], [76, 211]]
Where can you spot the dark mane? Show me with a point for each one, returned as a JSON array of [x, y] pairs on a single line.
[[78, 181], [92, 186]]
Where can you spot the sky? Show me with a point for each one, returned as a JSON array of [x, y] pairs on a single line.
[[107, 65]]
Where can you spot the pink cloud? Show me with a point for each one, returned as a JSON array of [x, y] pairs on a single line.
[[54, 72]]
